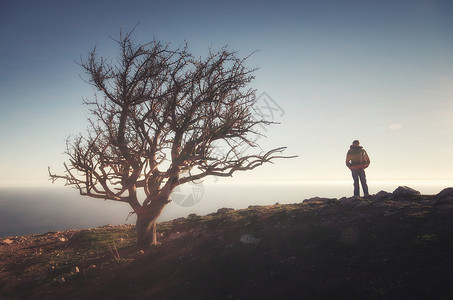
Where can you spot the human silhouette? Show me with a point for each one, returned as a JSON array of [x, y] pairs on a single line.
[[357, 161]]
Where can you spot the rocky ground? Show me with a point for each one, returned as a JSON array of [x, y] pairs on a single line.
[[390, 246]]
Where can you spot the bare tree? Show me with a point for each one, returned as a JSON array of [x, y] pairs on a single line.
[[162, 118]]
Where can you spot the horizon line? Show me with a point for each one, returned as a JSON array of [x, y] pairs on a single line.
[[232, 181]]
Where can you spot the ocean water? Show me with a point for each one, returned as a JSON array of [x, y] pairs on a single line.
[[34, 210]]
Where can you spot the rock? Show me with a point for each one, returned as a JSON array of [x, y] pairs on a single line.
[[445, 199], [223, 210], [60, 280], [249, 239], [445, 193], [6, 242], [315, 200], [254, 206], [75, 270], [349, 200], [62, 239], [382, 195], [405, 191]]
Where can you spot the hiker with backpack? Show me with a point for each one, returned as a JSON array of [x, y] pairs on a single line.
[[357, 161]]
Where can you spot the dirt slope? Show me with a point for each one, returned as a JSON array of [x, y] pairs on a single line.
[[390, 246]]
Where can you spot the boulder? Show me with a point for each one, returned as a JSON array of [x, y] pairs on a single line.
[[445, 193], [405, 191], [249, 239], [445, 197], [224, 210], [382, 195], [6, 241]]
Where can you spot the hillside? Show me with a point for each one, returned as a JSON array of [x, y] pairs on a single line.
[[391, 246]]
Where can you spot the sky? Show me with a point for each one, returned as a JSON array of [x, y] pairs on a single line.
[[332, 71]]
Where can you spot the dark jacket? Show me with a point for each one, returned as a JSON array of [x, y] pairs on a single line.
[[357, 158]]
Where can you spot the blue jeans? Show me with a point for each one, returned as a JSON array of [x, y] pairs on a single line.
[[357, 175]]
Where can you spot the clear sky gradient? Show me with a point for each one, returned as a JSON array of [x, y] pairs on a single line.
[[377, 71]]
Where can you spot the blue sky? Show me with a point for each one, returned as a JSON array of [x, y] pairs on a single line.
[[377, 71]]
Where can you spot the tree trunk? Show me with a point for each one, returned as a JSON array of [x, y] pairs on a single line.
[[146, 225], [146, 231]]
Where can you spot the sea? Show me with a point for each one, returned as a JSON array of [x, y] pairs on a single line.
[[42, 209]]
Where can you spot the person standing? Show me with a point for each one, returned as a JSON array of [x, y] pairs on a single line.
[[357, 161]]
